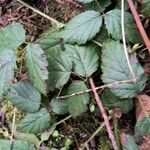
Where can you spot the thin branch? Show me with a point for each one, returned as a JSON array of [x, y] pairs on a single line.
[[94, 134], [139, 24], [104, 115], [57, 23], [124, 41], [61, 121], [115, 84]]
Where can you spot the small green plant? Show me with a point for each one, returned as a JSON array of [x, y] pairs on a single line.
[[62, 61]]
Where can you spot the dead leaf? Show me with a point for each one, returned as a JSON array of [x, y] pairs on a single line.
[[142, 106]]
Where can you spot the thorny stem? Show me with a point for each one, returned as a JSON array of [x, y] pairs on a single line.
[[104, 115], [94, 134], [124, 42], [114, 84], [139, 24], [54, 21]]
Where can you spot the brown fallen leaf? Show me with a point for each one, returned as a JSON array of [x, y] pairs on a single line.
[[143, 110], [142, 106]]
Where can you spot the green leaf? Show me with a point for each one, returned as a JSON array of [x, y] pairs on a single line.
[[97, 7], [12, 36], [36, 65], [60, 67], [25, 96], [115, 68], [110, 101], [35, 122], [85, 59], [113, 25], [50, 38], [78, 104], [45, 135], [7, 66], [83, 27], [59, 107], [142, 127], [31, 138], [85, 1], [15, 145], [146, 7], [129, 143]]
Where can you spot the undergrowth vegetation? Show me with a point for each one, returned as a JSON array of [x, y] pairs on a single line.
[[54, 76]]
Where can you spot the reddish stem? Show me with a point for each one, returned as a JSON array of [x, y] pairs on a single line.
[[139, 24], [103, 112]]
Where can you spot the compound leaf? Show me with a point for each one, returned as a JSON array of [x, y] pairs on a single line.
[[113, 25], [25, 96], [36, 65], [12, 36], [7, 65], [115, 68], [60, 67], [35, 122], [15, 145], [83, 27], [77, 104], [85, 59]]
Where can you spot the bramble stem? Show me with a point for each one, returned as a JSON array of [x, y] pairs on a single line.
[[139, 24], [104, 115]]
